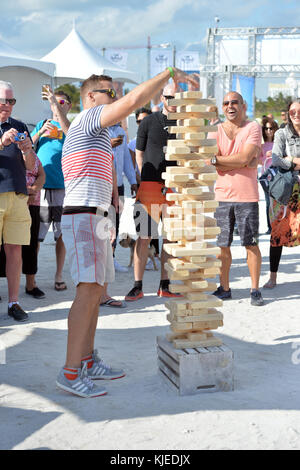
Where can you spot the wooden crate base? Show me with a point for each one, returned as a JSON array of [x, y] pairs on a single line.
[[193, 371]]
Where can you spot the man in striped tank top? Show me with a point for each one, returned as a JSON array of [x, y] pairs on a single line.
[[87, 170]]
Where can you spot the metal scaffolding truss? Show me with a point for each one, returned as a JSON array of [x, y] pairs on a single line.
[[213, 69]]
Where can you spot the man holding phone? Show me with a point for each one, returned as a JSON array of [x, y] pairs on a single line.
[[49, 136], [15, 220]]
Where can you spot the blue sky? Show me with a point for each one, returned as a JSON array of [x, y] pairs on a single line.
[[35, 27]]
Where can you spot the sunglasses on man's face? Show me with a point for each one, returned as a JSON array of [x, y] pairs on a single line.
[[138, 121], [232, 102], [169, 97], [109, 91], [63, 101], [11, 101]]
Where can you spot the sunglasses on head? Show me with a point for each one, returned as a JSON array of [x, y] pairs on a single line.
[[109, 91], [10, 101], [227, 103], [169, 97]]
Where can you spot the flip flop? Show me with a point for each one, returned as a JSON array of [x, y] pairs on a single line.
[[58, 285], [111, 301]]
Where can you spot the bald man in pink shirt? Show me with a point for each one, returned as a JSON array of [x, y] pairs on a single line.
[[239, 145]]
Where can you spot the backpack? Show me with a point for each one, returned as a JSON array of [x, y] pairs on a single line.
[[281, 186], [267, 176]]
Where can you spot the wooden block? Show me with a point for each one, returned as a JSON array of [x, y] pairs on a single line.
[[186, 101], [193, 164], [168, 247], [195, 296], [191, 115], [189, 94], [182, 251], [193, 108], [181, 170], [204, 142], [202, 285], [200, 130], [208, 177], [197, 190], [196, 336], [180, 327], [175, 177], [179, 288], [175, 156]]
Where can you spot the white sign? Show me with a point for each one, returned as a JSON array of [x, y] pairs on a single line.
[[160, 59], [118, 57], [187, 60]]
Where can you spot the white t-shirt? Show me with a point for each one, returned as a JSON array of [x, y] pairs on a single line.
[[87, 162]]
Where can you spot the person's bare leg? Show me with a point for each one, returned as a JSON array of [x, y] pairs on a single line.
[[30, 281], [254, 265], [90, 338], [163, 259], [60, 252], [226, 260], [140, 257], [82, 323], [13, 270]]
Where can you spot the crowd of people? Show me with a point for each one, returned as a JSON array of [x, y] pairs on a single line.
[[69, 175]]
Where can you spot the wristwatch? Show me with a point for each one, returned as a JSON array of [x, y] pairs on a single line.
[[213, 160]]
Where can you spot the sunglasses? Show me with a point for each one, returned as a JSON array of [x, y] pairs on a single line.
[[109, 91], [11, 101], [138, 121], [169, 97], [294, 113], [269, 128], [63, 101], [232, 102]]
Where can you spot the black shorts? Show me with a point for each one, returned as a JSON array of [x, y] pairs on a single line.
[[246, 217]]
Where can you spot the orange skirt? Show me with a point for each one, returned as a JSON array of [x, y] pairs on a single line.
[[154, 201]]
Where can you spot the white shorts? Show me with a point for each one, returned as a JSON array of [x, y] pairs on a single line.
[[87, 241]]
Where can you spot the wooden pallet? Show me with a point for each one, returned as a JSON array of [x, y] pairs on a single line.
[[195, 370]]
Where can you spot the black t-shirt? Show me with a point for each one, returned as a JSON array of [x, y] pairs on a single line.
[[151, 139], [12, 166]]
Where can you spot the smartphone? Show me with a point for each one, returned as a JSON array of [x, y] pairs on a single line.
[[45, 88], [121, 136]]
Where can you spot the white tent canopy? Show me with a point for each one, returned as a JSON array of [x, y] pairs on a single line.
[[27, 75], [76, 60]]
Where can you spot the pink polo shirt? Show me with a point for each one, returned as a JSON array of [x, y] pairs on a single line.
[[238, 185]]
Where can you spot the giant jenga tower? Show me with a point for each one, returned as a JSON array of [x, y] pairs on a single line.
[[189, 228]]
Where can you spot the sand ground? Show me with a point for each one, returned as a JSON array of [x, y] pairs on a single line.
[[140, 410]]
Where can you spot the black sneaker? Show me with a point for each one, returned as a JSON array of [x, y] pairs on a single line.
[[36, 293], [222, 294], [256, 298], [17, 313], [134, 294]]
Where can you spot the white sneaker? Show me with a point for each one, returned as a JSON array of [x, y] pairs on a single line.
[[119, 268]]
